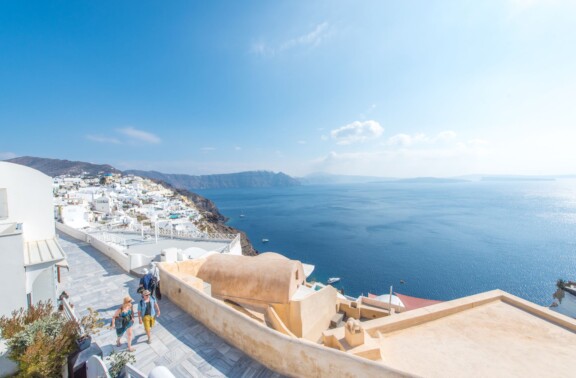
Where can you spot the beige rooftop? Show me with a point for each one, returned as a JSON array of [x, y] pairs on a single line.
[[493, 334]]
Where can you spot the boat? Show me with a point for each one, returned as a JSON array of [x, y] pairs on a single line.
[[332, 280], [265, 240]]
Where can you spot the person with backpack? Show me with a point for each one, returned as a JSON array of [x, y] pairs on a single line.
[[148, 311], [147, 282], [123, 320]]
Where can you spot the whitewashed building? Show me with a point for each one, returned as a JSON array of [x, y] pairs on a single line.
[[29, 250]]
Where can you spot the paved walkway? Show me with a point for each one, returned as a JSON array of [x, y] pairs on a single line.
[[180, 342]]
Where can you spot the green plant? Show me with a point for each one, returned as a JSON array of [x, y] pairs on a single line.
[[39, 340], [118, 361], [91, 322], [9, 326]]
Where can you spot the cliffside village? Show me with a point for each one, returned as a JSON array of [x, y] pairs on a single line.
[[120, 202]]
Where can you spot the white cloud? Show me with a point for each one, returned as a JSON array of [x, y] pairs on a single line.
[[139, 135], [411, 155], [301, 142], [406, 140], [7, 155], [207, 149], [357, 131], [102, 139], [238, 148], [311, 39]]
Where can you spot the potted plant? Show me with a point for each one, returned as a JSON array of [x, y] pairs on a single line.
[[118, 361], [89, 325]]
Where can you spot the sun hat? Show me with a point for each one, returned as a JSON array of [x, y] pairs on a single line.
[[146, 292], [128, 299]]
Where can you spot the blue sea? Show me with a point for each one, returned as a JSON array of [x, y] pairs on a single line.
[[432, 240]]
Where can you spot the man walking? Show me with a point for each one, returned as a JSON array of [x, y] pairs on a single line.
[[148, 311]]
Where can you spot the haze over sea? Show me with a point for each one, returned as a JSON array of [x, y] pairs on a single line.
[[444, 240]]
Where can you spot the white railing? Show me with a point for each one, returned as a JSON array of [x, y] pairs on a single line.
[[69, 312], [191, 235]]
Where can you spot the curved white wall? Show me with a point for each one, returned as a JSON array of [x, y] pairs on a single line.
[[29, 198]]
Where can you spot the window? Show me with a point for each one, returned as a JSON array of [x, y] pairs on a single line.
[[3, 204]]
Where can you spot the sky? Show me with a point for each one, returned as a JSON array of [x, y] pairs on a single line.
[[379, 88]]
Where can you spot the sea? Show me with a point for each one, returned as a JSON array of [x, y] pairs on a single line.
[[430, 240]]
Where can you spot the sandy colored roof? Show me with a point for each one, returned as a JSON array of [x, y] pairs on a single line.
[[488, 335]]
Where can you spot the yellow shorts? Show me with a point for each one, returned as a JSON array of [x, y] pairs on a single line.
[[148, 322]]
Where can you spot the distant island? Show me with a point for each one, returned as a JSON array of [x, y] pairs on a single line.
[[251, 179], [517, 178], [430, 180]]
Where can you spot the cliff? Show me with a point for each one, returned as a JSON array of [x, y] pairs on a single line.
[[251, 179]]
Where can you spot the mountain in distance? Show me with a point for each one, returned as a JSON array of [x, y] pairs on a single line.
[[250, 179], [57, 167]]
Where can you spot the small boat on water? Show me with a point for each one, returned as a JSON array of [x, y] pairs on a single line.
[[332, 280], [265, 240]]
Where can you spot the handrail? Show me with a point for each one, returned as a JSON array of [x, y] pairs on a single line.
[[70, 314]]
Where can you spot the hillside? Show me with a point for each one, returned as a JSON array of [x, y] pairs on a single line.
[[252, 179], [57, 167]]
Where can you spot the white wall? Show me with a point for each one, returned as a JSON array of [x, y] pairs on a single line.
[[13, 277], [44, 286], [29, 197]]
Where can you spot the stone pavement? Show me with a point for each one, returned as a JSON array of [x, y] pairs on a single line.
[[180, 342]]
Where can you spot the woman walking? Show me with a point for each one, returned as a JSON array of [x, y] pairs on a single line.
[[123, 320]]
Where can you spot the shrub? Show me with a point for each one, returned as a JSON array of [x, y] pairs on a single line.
[[40, 340], [11, 326]]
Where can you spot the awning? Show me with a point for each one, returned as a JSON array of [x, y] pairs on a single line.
[[412, 303], [42, 251]]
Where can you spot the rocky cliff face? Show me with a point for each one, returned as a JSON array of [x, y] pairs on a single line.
[[252, 179], [214, 217]]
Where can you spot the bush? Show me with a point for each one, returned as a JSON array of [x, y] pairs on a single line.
[[11, 326], [39, 340]]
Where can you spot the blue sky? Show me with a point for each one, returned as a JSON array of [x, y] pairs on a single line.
[[386, 88]]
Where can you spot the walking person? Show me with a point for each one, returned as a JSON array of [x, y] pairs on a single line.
[[148, 311], [146, 282], [123, 320], [155, 283]]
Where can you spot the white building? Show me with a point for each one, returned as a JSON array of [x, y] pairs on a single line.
[[103, 204], [29, 249]]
